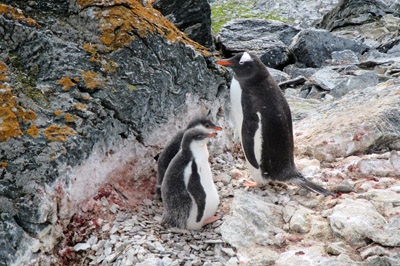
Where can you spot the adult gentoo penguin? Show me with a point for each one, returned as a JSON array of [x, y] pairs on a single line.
[[189, 195], [263, 120], [173, 146]]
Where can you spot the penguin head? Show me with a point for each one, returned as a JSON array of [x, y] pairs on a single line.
[[202, 122], [244, 65], [195, 137]]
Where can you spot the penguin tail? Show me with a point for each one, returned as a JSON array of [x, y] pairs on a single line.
[[302, 182]]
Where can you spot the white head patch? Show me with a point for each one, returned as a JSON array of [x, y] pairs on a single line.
[[245, 58]]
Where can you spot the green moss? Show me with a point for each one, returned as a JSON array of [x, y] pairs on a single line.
[[26, 81], [221, 13]]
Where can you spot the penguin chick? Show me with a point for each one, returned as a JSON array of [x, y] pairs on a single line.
[[173, 146], [263, 121], [189, 195]]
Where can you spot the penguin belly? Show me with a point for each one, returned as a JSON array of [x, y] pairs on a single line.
[[237, 113], [256, 172], [207, 182], [236, 106]]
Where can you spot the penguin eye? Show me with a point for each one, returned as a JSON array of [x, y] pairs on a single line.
[[241, 62]]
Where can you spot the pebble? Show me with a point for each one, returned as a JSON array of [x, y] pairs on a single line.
[[81, 246]]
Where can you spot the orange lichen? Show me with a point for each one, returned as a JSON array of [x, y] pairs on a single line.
[[57, 112], [119, 18], [3, 70], [66, 82], [25, 115], [70, 118], [16, 14], [80, 106], [108, 65], [9, 126], [33, 131], [58, 133], [91, 79], [3, 164]]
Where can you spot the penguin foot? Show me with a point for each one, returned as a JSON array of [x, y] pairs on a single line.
[[211, 220], [249, 183]]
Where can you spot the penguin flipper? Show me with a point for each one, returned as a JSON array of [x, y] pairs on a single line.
[[197, 191], [249, 128], [302, 182]]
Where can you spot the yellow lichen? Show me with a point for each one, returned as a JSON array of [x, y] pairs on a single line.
[[91, 79], [66, 82], [57, 112], [16, 14], [119, 18], [58, 133], [79, 106], [33, 131]]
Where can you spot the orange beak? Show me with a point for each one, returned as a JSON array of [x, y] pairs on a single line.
[[212, 135], [224, 63], [217, 128]]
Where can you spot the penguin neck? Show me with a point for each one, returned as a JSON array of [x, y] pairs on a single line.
[[199, 151]]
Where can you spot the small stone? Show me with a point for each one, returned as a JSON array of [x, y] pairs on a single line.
[[229, 252], [113, 208], [81, 246], [110, 258], [336, 248], [232, 262], [106, 227], [344, 187], [114, 229]]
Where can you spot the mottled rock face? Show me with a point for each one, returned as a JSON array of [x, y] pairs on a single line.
[[192, 17], [345, 129], [313, 47], [86, 97], [354, 12], [267, 38]]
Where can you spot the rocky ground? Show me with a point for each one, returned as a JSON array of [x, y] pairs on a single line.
[[274, 225], [345, 103]]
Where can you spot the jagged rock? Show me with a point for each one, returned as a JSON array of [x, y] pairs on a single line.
[[382, 260], [374, 251], [391, 46], [389, 166], [312, 256], [191, 17], [339, 84], [313, 47], [341, 128], [303, 13], [82, 107], [353, 12], [345, 57], [267, 38], [355, 221]]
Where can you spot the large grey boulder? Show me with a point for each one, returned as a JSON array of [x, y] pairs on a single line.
[[269, 39], [254, 224], [192, 17], [354, 12], [88, 101], [313, 47]]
